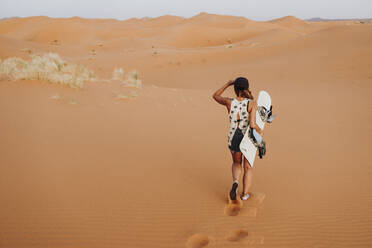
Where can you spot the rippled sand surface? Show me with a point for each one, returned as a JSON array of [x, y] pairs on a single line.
[[118, 164]]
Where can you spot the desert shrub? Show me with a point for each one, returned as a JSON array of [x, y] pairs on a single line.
[[118, 74], [48, 67], [132, 80]]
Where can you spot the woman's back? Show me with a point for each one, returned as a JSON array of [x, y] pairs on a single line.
[[238, 117]]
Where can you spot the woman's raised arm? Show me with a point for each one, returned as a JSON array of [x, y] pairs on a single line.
[[217, 95]]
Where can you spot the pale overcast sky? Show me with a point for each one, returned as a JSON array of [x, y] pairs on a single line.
[[124, 9]]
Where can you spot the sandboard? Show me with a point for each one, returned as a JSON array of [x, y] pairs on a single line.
[[248, 146]]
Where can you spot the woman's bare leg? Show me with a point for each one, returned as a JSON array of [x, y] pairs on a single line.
[[236, 165], [236, 171], [247, 177]]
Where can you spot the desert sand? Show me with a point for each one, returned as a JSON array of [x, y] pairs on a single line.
[[114, 165]]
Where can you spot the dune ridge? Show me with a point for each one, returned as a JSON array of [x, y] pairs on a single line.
[[208, 29]]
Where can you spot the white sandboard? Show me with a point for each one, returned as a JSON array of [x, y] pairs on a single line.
[[247, 146]]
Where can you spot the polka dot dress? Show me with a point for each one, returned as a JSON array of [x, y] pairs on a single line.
[[243, 121]]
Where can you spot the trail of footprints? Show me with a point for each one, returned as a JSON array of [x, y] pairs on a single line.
[[234, 208]]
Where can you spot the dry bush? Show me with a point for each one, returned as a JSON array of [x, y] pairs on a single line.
[[133, 80], [118, 74], [48, 67]]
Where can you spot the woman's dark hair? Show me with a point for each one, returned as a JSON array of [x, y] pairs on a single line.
[[241, 87]]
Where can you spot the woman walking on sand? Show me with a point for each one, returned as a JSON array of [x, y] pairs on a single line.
[[240, 110]]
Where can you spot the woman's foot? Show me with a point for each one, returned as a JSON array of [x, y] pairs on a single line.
[[234, 190], [245, 197]]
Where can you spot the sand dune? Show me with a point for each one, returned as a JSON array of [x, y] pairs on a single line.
[[289, 21], [199, 31], [112, 165]]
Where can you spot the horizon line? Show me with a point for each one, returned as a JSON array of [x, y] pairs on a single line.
[[315, 18]]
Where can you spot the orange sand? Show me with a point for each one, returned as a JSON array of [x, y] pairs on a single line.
[[89, 169]]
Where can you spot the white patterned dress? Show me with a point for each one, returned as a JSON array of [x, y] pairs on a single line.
[[242, 123]]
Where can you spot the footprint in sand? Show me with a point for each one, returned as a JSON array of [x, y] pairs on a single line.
[[197, 241], [233, 207], [237, 235]]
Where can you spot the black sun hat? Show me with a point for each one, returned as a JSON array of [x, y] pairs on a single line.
[[240, 84]]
